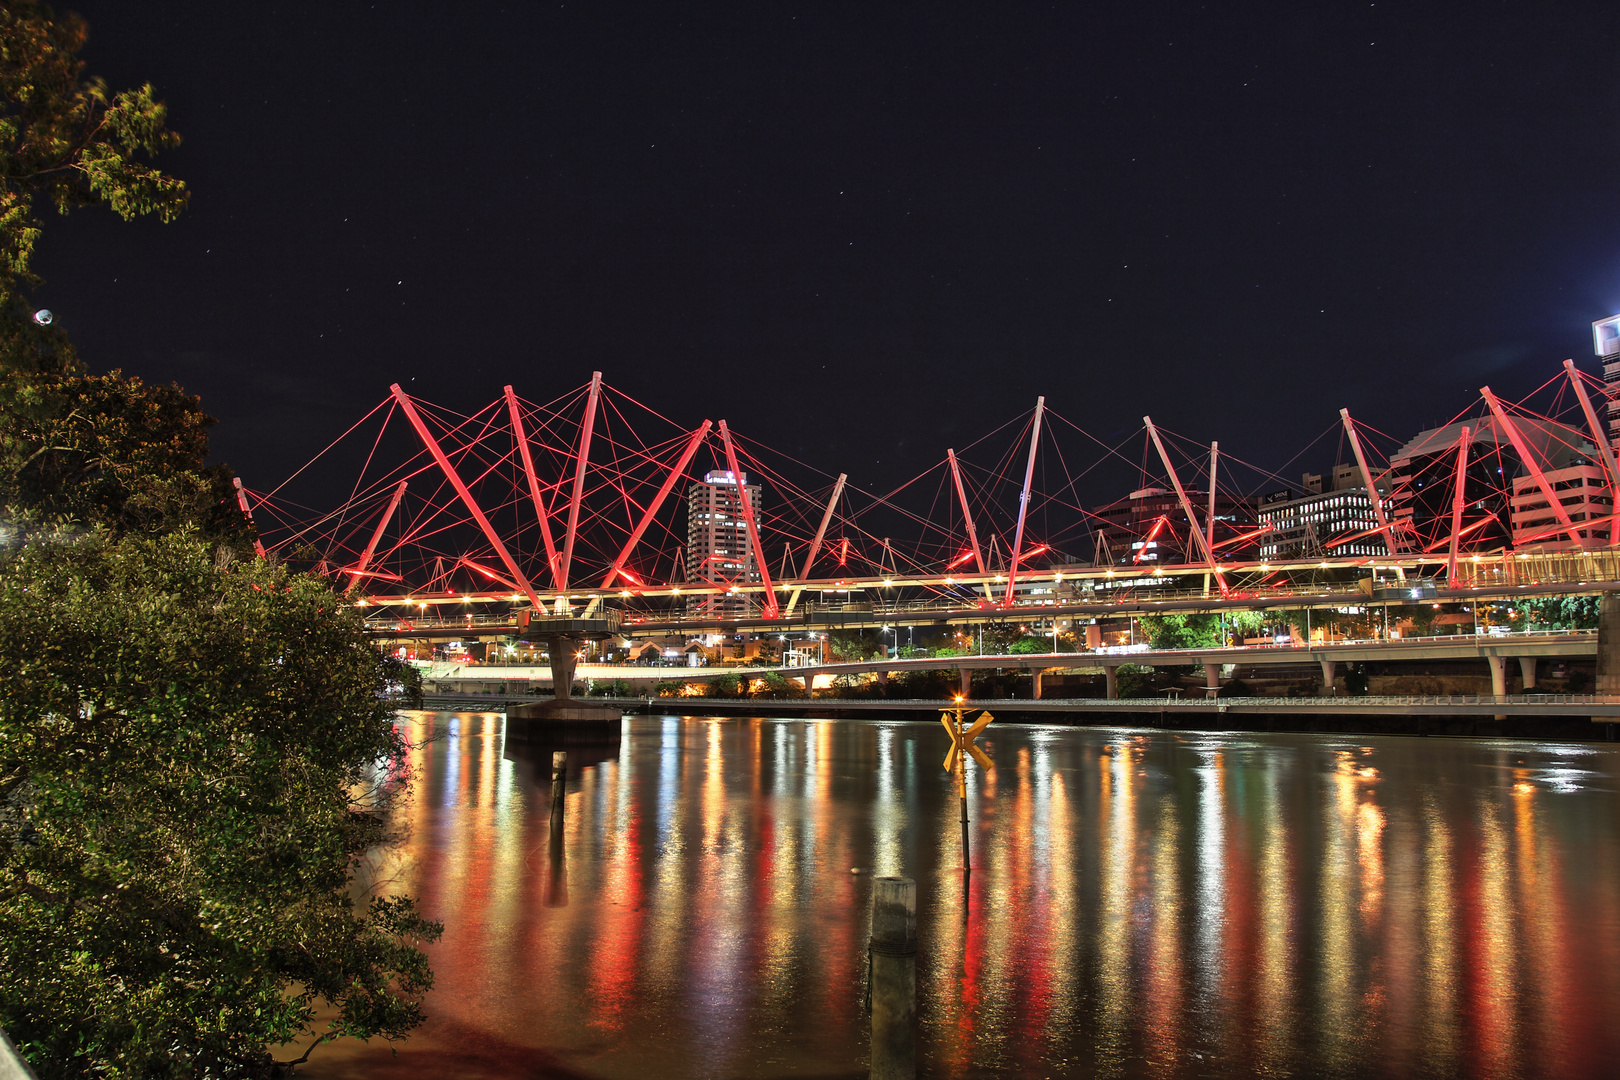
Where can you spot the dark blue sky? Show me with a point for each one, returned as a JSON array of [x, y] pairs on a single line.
[[860, 236]]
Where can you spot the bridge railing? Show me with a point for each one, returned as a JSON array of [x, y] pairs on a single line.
[[1362, 700]]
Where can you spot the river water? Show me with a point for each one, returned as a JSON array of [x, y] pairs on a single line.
[[1142, 903]]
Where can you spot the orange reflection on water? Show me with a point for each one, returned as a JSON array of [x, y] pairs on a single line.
[[1491, 950], [1141, 904]]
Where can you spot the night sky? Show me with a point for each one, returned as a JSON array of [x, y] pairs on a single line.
[[860, 236]]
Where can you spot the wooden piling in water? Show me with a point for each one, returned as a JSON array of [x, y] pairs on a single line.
[[559, 778], [893, 951]]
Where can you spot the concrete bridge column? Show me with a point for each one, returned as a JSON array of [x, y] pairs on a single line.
[[1498, 680], [562, 649], [1527, 669], [1111, 672], [1212, 678], [966, 683], [1498, 676], [1330, 669], [1608, 655], [1035, 682]]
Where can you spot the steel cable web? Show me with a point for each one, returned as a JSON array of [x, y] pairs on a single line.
[[425, 537]]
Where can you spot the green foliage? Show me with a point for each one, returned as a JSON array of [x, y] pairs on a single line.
[[998, 638], [852, 644], [1422, 616], [192, 752], [1245, 624], [669, 687], [1177, 631], [402, 681], [70, 141], [102, 450], [773, 684], [854, 686], [126, 455], [1028, 646], [723, 686], [1559, 612], [1134, 680]]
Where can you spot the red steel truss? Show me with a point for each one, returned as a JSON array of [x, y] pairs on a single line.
[[462, 507]]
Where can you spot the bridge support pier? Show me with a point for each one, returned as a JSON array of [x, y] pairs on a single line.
[[965, 682], [1330, 670], [1527, 669], [1035, 683], [1608, 649], [1111, 672], [1498, 676], [1212, 679], [562, 649], [1499, 680]]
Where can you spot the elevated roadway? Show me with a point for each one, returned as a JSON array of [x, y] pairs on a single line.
[[1493, 650]]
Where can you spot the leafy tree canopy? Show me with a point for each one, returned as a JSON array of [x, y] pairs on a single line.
[[1558, 612], [76, 448], [69, 140], [1181, 631], [125, 454], [186, 747]]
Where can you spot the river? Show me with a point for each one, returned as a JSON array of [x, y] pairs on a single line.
[[1142, 903]]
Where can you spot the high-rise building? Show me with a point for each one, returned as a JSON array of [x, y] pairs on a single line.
[[1500, 496], [1582, 490], [1317, 525], [1606, 343], [718, 551]]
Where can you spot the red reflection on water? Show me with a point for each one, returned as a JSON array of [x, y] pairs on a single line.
[[1141, 904]]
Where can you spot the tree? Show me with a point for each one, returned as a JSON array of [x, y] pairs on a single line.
[[852, 644], [1246, 624], [68, 142], [192, 751], [723, 686], [1559, 612], [126, 455], [1133, 680], [1181, 631]]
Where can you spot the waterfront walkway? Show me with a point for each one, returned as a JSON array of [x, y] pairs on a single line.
[[1601, 708]]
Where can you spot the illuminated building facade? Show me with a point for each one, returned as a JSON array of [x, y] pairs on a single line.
[[1583, 491], [1423, 482], [1318, 525], [718, 551], [1606, 343]]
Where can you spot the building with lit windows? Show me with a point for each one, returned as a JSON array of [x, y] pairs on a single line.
[[1583, 491], [1317, 524], [1502, 503], [1606, 343], [718, 551]]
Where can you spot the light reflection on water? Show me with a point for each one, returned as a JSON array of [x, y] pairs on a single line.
[[1141, 904]]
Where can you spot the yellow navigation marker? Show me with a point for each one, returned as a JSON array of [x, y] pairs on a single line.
[[962, 737]]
